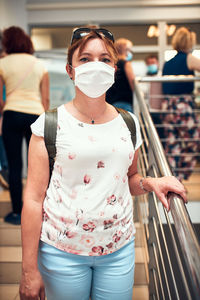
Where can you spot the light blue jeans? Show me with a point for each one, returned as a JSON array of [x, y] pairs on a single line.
[[75, 277]]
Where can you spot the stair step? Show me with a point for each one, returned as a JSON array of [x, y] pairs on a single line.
[[141, 292], [10, 265], [11, 292], [5, 203], [140, 274], [10, 254], [10, 272], [10, 235], [14, 255], [139, 237]]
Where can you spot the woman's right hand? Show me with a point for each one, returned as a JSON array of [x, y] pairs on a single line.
[[31, 286]]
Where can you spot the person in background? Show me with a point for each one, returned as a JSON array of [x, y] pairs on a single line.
[[152, 64], [154, 91], [180, 99], [80, 241], [3, 158], [27, 96], [121, 92]]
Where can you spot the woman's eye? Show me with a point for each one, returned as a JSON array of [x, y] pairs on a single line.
[[106, 60], [84, 59]]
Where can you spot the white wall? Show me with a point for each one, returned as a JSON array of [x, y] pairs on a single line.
[[111, 11], [13, 12], [29, 12]]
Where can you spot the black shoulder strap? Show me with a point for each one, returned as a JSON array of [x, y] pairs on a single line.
[[129, 122], [50, 132]]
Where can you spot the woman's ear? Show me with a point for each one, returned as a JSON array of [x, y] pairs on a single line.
[[69, 70]]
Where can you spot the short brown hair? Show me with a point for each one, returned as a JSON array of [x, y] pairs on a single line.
[[121, 45], [150, 56], [183, 39], [81, 43], [15, 40]]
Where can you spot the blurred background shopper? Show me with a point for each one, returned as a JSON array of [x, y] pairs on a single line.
[[3, 158], [27, 96], [181, 124], [152, 64], [120, 93]]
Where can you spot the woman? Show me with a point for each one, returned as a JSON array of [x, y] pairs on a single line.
[[180, 99], [81, 230], [121, 92], [3, 158], [27, 96]]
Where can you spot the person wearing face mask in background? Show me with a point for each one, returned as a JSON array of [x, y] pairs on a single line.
[[152, 65], [121, 92], [154, 91], [80, 241]]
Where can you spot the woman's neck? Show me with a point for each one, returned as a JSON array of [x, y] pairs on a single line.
[[92, 109]]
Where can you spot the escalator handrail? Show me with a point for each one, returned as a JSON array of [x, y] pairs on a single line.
[[182, 222], [167, 78]]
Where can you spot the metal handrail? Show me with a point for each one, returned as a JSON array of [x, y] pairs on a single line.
[[182, 222], [167, 78]]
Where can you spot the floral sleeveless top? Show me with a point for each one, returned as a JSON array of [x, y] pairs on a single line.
[[88, 206]]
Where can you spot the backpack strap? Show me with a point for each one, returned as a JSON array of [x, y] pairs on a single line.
[[50, 132], [129, 122]]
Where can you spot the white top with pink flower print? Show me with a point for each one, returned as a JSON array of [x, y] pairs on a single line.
[[88, 206]]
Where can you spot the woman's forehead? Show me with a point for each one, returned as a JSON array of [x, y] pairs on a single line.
[[93, 46]]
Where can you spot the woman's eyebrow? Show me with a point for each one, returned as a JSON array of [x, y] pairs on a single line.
[[91, 54], [105, 54], [85, 53]]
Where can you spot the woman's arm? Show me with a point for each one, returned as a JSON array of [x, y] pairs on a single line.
[[1, 95], [44, 88], [193, 62], [161, 186], [31, 286], [130, 74]]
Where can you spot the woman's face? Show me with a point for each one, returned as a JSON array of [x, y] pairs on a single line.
[[95, 50]]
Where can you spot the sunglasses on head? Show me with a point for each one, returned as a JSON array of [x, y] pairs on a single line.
[[82, 32]]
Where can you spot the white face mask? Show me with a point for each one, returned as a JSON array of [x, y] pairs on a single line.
[[94, 78]]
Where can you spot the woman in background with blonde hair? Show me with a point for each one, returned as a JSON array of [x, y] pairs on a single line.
[[121, 92], [27, 96], [180, 99]]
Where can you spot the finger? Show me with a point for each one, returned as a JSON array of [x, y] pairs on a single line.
[[182, 192], [42, 294], [184, 196], [164, 201], [21, 295], [169, 204]]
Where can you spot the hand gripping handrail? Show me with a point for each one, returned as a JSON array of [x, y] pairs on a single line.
[[182, 222]]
